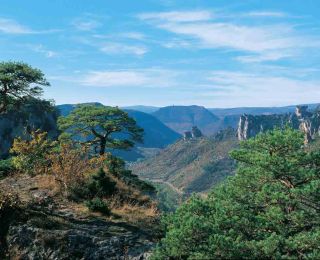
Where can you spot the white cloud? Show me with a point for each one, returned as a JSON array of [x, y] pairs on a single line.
[[41, 49], [133, 35], [130, 78], [267, 56], [239, 37], [243, 89], [119, 48], [12, 27], [268, 42], [114, 78], [85, 24], [182, 16], [267, 14]]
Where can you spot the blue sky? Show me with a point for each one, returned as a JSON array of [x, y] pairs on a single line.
[[162, 52]]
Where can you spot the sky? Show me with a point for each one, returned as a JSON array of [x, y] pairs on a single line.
[[214, 53]]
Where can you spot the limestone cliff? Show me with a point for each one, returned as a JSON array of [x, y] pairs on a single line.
[[308, 122], [34, 114]]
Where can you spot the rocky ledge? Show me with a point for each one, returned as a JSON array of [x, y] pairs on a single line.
[[51, 229]]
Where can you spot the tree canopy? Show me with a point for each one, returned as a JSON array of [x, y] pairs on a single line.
[[19, 81], [101, 127], [269, 209]]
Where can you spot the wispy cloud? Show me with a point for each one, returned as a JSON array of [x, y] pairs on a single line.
[[120, 48], [133, 35], [266, 56], [85, 24], [43, 50], [267, 14], [243, 88], [129, 78], [123, 35], [12, 27], [178, 16], [268, 42]]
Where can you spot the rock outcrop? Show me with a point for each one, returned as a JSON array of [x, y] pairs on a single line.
[[35, 114], [50, 227], [304, 120], [194, 133]]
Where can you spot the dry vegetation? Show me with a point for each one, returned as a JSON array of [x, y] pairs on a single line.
[[68, 176]]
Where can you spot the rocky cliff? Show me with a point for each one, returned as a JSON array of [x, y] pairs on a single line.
[[308, 122], [34, 114]]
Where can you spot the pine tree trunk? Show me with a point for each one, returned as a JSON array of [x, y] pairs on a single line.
[[103, 142]]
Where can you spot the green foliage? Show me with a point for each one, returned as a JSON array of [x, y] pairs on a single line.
[[18, 82], [101, 185], [98, 205], [269, 209], [98, 185], [116, 167], [168, 198], [32, 154], [6, 167], [101, 127]]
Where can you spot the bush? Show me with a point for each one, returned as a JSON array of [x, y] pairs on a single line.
[[101, 185], [32, 153], [116, 167], [97, 185], [78, 191], [6, 167], [70, 165], [98, 205]]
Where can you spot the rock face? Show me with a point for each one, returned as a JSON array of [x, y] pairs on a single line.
[[93, 239], [35, 114], [194, 133], [308, 122]]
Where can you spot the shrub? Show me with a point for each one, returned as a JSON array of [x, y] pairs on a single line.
[[78, 191], [101, 185], [116, 167], [70, 165], [32, 154], [96, 185], [6, 167], [98, 205]]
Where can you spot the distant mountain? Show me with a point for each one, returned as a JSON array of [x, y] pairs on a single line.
[[222, 112], [145, 109], [157, 135], [182, 118], [191, 165], [66, 109]]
